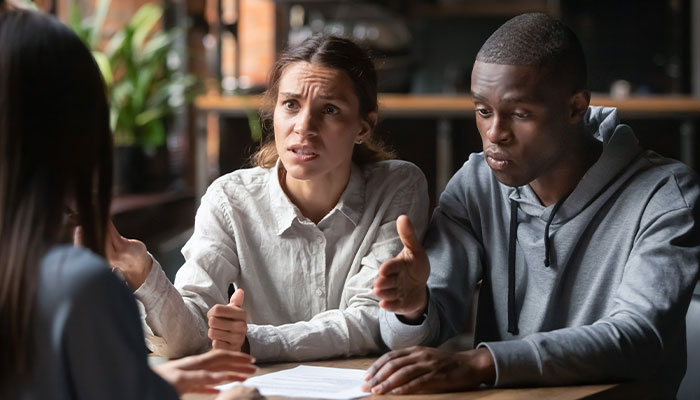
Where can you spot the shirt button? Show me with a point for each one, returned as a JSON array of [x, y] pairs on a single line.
[[319, 292], [319, 240]]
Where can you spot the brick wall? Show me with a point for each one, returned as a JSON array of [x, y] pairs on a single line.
[[257, 39]]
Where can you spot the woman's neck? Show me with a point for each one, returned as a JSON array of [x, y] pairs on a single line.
[[316, 197]]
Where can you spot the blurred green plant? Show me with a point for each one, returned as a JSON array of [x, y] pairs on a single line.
[[141, 72]]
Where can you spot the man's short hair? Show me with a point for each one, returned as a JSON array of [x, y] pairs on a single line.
[[538, 40]]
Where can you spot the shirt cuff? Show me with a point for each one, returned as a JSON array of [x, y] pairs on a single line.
[[516, 362], [265, 342], [154, 287], [397, 334]]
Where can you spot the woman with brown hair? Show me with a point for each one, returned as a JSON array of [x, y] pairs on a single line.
[[70, 328], [303, 232]]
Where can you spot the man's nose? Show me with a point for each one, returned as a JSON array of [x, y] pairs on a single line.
[[499, 130]]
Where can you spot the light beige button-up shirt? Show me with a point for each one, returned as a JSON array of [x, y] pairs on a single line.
[[307, 286]]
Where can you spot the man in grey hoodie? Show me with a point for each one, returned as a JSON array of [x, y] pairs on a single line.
[[585, 247]]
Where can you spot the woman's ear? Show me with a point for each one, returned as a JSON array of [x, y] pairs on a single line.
[[578, 105], [367, 126]]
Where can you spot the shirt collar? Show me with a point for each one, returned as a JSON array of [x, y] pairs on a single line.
[[282, 208], [351, 203]]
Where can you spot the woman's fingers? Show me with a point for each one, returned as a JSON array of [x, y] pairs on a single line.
[[227, 311]]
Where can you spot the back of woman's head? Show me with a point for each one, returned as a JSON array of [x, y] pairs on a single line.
[[55, 151]]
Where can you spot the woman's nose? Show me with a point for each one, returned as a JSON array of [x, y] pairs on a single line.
[[305, 124]]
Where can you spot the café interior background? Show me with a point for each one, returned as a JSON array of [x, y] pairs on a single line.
[[421, 47]]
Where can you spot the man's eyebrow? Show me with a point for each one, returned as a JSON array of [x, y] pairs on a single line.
[[477, 97], [507, 99]]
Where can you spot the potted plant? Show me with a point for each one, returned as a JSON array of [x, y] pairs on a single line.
[[145, 86]]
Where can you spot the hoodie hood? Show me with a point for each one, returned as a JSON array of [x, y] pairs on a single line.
[[620, 148]]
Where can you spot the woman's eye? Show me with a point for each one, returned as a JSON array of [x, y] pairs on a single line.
[[289, 104], [331, 110], [521, 115]]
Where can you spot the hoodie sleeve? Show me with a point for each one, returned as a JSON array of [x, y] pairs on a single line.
[[455, 256], [646, 321]]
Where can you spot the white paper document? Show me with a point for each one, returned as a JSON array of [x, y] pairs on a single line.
[[309, 382]]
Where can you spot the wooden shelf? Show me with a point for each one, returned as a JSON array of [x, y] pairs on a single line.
[[461, 106]]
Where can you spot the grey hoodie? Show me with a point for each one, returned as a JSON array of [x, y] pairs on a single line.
[[623, 254]]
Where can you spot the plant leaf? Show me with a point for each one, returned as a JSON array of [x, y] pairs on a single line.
[[98, 22], [105, 67], [146, 17]]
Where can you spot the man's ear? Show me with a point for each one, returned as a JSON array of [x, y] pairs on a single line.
[[578, 105]]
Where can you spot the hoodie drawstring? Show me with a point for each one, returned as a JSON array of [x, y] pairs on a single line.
[[512, 313], [512, 318], [546, 229]]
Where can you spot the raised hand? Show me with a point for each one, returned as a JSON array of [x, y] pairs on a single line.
[[128, 256], [401, 281], [202, 372], [227, 323]]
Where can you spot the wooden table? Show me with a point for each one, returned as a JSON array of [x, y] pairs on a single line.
[[605, 391], [443, 108]]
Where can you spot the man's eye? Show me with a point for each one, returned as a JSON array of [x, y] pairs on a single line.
[[521, 115], [483, 112]]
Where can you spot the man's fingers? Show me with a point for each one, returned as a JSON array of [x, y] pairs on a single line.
[[384, 284], [385, 358], [420, 383], [395, 306], [387, 295], [237, 298], [393, 266], [407, 234], [398, 377]]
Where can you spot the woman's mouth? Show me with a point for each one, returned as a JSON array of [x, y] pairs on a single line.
[[303, 153]]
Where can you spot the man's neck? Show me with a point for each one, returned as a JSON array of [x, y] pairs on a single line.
[[565, 177]]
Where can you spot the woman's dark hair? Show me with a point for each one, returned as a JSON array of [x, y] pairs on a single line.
[[55, 151], [331, 52]]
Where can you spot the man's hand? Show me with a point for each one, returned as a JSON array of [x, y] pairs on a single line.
[[401, 281], [227, 324], [201, 372], [429, 370], [129, 256]]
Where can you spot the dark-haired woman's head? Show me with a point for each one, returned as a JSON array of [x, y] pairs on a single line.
[[346, 66], [55, 151]]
